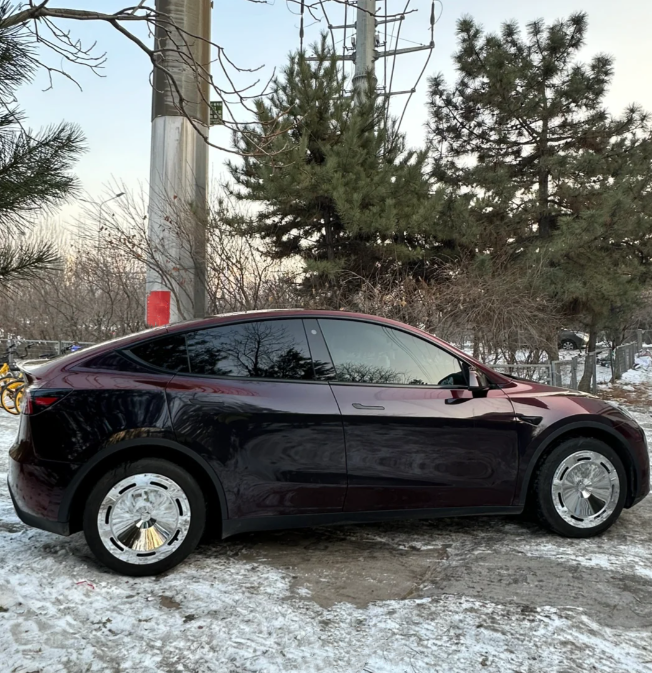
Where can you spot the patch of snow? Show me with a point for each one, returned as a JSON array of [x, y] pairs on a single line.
[[637, 376], [631, 558]]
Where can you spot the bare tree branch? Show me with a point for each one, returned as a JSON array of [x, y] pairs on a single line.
[[41, 21]]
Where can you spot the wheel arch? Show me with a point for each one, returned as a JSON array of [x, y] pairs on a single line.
[[71, 508], [595, 430]]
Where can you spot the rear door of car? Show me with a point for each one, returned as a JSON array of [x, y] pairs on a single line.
[[251, 404], [416, 435]]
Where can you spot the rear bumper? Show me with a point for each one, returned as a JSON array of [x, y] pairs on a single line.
[[37, 489], [58, 527]]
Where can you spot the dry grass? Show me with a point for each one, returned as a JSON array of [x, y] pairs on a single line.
[[635, 394]]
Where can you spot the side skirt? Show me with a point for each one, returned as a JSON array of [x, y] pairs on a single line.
[[285, 522]]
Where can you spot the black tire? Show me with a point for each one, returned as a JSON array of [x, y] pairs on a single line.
[[541, 490], [158, 466]]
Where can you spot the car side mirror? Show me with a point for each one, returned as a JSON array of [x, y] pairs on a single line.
[[477, 380]]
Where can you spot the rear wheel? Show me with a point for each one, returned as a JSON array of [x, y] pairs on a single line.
[[579, 489], [145, 517]]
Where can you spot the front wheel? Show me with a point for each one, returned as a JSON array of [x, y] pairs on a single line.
[[569, 345], [579, 489], [145, 517]]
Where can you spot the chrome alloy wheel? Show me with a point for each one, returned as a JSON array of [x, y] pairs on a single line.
[[144, 518], [585, 489]]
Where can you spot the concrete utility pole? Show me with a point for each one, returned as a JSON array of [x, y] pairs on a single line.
[[179, 164], [365, 45]]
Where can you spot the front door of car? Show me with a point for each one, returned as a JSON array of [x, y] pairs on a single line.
[[252, 406], [416, 435]]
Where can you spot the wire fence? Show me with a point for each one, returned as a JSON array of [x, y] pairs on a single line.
[[12, 350], [624, 359], [581, 372]]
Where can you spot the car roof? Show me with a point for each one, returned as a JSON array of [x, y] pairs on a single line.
[[202, 323], [243, 316]]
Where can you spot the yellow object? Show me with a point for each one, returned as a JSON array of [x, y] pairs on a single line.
[[12, 397]]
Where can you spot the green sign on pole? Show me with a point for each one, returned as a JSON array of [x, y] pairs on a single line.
[[217, 113]]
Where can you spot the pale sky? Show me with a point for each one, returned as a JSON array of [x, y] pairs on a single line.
[[114, 111]]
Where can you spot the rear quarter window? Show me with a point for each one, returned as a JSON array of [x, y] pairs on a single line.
[[115, 362], [167, 353]]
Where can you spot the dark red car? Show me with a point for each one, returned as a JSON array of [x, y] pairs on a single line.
[[281, 419]]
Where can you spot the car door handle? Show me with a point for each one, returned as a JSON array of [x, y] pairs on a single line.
[[366, 407], [532, 420], [456, 400]]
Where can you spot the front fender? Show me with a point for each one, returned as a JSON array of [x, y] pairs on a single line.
[[594, 426]]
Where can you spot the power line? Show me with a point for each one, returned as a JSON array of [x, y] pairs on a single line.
[[433, 23], [367, 49]]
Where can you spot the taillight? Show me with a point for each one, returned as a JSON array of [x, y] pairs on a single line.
[[38, 400]]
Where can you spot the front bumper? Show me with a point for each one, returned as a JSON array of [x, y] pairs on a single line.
[[640, 461], [642, 476]]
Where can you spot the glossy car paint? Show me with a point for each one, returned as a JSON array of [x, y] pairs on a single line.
[[415, 447], [37, 486], [276, 452], [100, 411], [278, 447]]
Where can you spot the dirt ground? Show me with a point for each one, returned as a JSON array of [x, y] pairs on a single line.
[[504, 561], [474, 594]]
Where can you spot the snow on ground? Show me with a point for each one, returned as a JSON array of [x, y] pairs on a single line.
[[641, 375], [449, 596]]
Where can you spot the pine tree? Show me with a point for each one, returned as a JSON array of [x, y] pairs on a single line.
[[601, 256], [521, 109], [552, 180], [336, 185], [34, 167]]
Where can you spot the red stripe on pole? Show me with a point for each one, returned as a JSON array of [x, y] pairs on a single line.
[[158, 308]]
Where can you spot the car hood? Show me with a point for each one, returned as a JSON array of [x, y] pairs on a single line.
[[534, 388]]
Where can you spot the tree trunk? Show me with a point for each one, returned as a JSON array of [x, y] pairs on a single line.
[[546, 219], [545, 227], [552, 344], [330, 244], [476, 344], [587, 375]]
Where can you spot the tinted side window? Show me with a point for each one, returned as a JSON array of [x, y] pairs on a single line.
[[367, 353], [116, 362], [271, 349], [167, 353]]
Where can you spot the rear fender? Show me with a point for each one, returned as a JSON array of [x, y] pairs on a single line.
[[129, 449]]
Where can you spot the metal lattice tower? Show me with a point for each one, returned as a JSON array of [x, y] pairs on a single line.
[[370, 43]]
